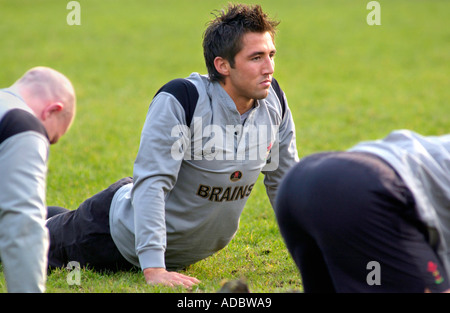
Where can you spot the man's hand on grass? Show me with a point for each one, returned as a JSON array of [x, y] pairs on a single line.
[[154, 276]]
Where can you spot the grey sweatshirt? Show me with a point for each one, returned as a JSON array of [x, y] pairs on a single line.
[[191, 183], [23, 170]]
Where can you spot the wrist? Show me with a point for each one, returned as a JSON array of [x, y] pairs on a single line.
[[153, 269]]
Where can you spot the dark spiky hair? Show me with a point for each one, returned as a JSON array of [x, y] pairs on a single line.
[[223, 36]]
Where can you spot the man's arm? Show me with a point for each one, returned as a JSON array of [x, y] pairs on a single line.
[[23, 235], [155, 174], [284, 152]]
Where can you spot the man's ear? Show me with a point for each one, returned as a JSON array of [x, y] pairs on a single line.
[[51, 108], [222, 66]]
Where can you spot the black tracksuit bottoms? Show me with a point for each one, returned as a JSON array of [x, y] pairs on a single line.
[[350, 224], [83, 235]]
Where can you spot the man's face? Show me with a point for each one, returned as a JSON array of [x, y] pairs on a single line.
[[251, 76]]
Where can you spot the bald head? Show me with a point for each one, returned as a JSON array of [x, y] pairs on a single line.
[[51, 96]]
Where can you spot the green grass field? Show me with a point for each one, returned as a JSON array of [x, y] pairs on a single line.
[[345, 81]]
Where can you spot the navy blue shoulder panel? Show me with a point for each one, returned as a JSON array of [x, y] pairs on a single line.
[[185, 92], [16, 121], [280, 94]]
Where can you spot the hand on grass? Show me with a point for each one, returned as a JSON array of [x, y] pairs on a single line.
[[154, 276]]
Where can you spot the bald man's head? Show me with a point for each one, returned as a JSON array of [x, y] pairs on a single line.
[[51, 96]]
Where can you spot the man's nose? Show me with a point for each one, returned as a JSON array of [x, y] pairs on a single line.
[[269, 66]]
